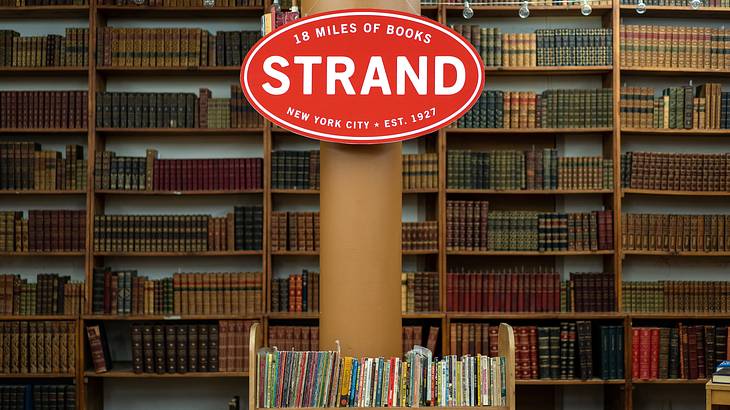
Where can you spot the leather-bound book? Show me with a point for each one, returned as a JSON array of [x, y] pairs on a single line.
[[99, 349]]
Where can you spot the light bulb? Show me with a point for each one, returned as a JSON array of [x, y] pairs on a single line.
[[208, 3], [468, 11], [586, 9], [139, 2], [524, 11], [695, 4], [641, 7]]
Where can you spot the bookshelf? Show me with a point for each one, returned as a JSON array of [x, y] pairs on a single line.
[[268, 138], [506, 349]]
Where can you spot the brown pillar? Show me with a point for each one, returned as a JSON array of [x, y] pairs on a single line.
[[360, 232]]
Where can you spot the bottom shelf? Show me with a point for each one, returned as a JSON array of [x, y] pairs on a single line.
[[670, 381], [563, 382]]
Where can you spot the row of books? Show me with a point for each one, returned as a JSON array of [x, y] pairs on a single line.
[[39, 396], [677, 108], [676, 296], [158, 348], [36, 3], [413, 335], [294, 337], [420, 235], [52, 50], [674, 46], [199, 293], [37, 347], [299, 292], [175, 110], [471, 226], [181, 3], [682, 352], [419, 292], [51, 294], [294, 231], [43, 231], [26, 166], [418, 380], [420, 171], [237, 231], [705, 3], [43, 109], [544, 47], [526, 170], [549, 352], [171, 47], [541, 3], [529, 292], [150, 173], [675, 233], [549, 109], [295, 169], [676, 171]]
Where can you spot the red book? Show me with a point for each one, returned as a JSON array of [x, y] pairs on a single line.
[[520, 292], [460, 292], [478, 292], [644, 353], [450, 292], [533, 352], [484, 291], [472, 292], [654, 354], [490, 292], [692, 352], [513, 291]]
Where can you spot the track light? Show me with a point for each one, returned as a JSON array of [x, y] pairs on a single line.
[[139, 2], [208, 3], [695, 4], [468, 11], [641, 7], [524, 10], [586, 8]]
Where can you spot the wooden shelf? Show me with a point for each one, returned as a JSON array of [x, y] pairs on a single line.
[[505, 131], [527, 253], [41, 192], [179, 12], [535, 315], [529, 191], [42, 71], [134, 318], [12, 376], [25, 131], [38, 317], [413, 191], [633, 191], [420, 252], [293, 315], [560, 382], [677, 132], [295, 253], [128, 374], [548, 70], [211, 192], [44, 12], [176, 254], [536, 11], [185, 71], [176, 132], [295, 191], [679, 315], [423, 315], [34, 254], [670, 381], [674, 71], [673, 253], [676, 11]]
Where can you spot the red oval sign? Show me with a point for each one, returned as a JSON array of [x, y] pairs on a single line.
[[362, 76]]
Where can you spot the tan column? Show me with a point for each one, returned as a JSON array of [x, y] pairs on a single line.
[[360, 232]]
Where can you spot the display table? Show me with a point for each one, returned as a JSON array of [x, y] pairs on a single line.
[[717, 394]]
